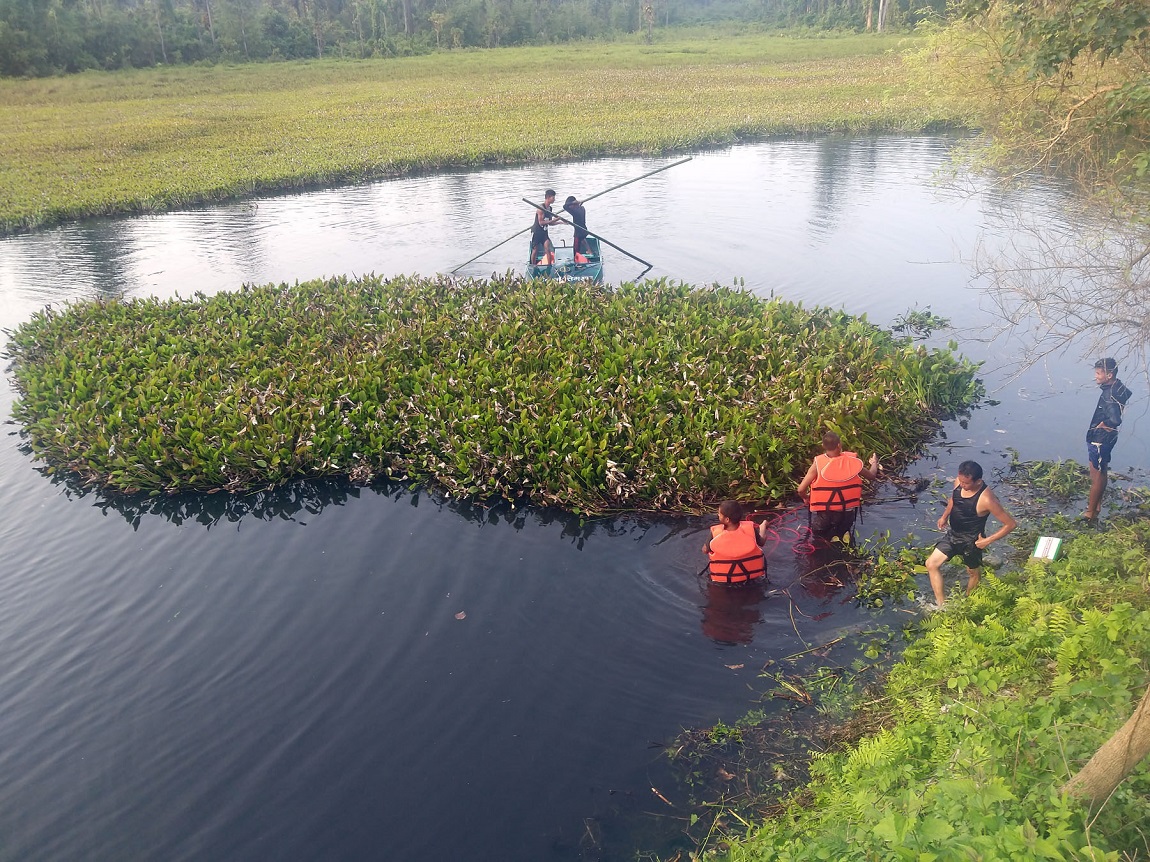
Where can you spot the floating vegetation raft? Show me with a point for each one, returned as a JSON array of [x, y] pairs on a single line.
[[593, 398]]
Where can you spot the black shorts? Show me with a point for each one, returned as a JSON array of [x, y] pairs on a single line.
[[955, 546], [828, 525], [1099, 444]]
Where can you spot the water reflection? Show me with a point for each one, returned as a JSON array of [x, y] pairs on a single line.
[[732, 611], [825, 570], [829, 189], [233, 234], [296, 501]]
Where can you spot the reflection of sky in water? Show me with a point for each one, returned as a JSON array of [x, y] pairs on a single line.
[[815, 217], [853, 223], [819, 216]]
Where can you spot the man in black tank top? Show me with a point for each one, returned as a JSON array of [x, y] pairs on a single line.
[[541, 250], [964, 520]]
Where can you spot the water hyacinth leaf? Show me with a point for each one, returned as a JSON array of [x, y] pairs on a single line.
[[542, 391]]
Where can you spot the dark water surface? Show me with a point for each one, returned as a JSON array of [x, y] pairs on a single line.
[[287, 676]]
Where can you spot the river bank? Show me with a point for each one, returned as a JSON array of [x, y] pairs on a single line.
[[991, 708], [163, 139]]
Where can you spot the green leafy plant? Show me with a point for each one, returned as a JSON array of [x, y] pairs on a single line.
[[994, 704], [919, 322], [652, 396], [885, 570]]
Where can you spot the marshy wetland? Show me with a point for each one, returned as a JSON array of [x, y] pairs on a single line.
[[154, 140], [332, 671]]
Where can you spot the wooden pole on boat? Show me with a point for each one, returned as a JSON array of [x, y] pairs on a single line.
[[592, 233], [517, 233], [635, 180], [592, 197]]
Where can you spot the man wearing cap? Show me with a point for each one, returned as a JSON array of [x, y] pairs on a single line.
[[1103, 431]]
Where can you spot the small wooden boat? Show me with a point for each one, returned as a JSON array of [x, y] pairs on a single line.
[[567, 267], [564, 265]]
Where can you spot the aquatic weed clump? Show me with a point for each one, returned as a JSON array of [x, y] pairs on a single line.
[[592, 398]]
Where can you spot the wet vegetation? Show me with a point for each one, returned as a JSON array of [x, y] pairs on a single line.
[[656, 396], [161, 139], [731, 776], [963, 743]]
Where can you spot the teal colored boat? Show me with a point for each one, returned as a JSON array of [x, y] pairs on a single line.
[[567, 267]]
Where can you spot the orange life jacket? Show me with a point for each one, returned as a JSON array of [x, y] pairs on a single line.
[[735, 555], [837, 487]]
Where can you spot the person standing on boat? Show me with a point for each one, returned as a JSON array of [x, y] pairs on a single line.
[[832, 488], [578, 214], [964, 520], [541, 249], [1103, 431]]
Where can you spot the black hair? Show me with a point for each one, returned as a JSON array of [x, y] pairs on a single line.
[[732, 509], [970, 469], [550, 193], [1108, 365]]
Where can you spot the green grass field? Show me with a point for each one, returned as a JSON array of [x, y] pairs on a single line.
[[163, 138]]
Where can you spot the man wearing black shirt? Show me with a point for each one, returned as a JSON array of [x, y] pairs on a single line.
[[579, 217], [541, 250], [970, 505], [1103, 431]]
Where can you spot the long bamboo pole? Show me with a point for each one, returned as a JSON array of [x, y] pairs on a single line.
[[592, 197], [636, 179], [501, 242]]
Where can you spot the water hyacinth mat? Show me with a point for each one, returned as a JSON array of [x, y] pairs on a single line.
[[652, 396]]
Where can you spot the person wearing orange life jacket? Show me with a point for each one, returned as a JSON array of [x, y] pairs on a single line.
[[735, 547], [833, 487]]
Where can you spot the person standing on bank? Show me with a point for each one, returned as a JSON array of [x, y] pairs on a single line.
[[964, 520], [578, 214], [834, 483], [541, 250], [1103, 431]]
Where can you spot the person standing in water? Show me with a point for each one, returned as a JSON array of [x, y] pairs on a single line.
[[964, 520], [735, 547], [1103, 431], [833, 486]]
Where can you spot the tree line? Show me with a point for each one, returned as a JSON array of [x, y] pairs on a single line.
[[47, 37]]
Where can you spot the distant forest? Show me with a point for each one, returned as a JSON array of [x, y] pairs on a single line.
[[47, 37]]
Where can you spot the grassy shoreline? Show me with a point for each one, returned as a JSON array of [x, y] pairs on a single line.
[[160, 139], [961, 752]]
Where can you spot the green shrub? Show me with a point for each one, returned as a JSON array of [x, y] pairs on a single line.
[[651, 396], [997, 703]]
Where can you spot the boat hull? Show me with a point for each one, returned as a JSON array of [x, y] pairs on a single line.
[[567, 268]]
